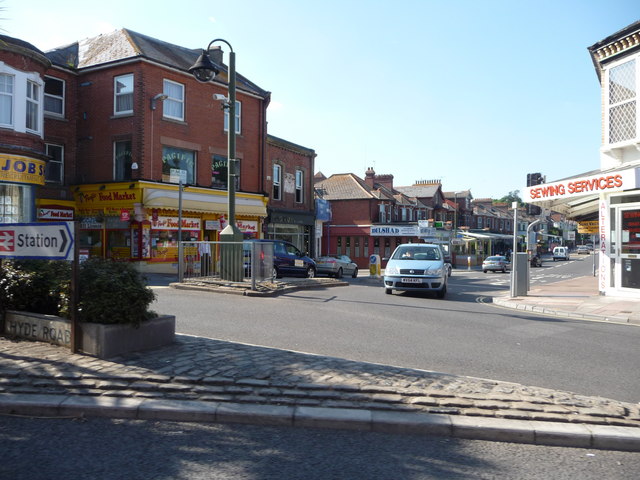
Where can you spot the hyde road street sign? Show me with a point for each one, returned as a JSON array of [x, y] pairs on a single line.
[[51, 240]]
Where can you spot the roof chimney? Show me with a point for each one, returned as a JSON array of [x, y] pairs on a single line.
[[369, 177]]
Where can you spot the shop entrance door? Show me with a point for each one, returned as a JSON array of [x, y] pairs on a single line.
[[628, 251]]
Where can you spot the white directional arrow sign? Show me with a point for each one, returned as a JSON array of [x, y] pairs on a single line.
[[51, 240]]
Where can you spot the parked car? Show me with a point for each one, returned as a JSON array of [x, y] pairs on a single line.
[[495, 263], [561, 253], [416, 267], [336, 266], [583, 250], [288, 260]]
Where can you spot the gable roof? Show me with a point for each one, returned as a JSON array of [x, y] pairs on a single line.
[[126, 44]]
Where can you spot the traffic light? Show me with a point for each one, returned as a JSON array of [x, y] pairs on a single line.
[[534, 179]]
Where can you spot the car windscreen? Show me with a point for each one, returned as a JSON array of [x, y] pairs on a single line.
[[416, 253]]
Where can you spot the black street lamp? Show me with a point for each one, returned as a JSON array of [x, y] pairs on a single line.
[[204, 70]]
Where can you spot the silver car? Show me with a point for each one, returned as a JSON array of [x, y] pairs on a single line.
[[416, 267], [336, 266]]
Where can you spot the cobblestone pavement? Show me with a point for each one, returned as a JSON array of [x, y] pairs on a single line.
[[198, 378], [207, 370]]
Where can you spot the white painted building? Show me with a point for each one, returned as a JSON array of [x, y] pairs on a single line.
[[610, 195]]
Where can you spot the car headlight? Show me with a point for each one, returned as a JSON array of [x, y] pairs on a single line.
[[434, 271], [391, 270]]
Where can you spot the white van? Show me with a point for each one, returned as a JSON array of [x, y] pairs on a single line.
[[561, 253]]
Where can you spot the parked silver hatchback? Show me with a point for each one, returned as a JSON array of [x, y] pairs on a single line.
[[416, 267]]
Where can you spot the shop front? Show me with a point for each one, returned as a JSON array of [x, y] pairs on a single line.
[[141, 221], [612, 197], [19, 178], [294, 227]]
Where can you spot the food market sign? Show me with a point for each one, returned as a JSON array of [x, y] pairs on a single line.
[[593, 184], [51, 240]]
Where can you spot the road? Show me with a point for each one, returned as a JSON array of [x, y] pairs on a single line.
[[460, 335], [110, 449]]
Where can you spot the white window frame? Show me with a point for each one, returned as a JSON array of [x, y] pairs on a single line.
[[117, 95], [382, 212], [636, 99], [173, 101], [238, 118], [277, 181], [299, 186], [11, 96], [50, 161], [33, 100], [54, 98]]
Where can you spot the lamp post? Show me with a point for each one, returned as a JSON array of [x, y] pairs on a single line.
[[204, 70]]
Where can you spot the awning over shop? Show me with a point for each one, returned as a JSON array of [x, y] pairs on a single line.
[[577, 197], [488, 236], [246, 203]]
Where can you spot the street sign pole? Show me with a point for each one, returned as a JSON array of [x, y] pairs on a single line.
[[74, 291]]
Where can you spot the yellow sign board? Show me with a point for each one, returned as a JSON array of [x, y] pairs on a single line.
[[14, 168], [590, 226]]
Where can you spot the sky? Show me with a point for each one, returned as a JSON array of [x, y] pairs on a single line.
[[474, 93]]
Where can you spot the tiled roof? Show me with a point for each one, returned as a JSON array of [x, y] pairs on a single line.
[[420, 191], [126, 44], [344, 186]]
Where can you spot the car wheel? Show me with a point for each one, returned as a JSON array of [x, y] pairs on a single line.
[[484, 271], [355, 273], [339, 274], [449, 268], [441, 293], [388, 291], [311, 272], [504, 270], [274, 273]]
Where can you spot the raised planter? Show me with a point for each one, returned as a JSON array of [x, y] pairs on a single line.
[[100, 340]]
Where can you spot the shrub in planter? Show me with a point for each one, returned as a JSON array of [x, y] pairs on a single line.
[[109, 291], [113, 292]]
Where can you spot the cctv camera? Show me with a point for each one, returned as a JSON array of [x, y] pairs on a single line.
[[219, 97]]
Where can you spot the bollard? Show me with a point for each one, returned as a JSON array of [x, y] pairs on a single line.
[[468, 263]]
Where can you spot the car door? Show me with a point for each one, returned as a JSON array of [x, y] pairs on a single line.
[[295, 263]]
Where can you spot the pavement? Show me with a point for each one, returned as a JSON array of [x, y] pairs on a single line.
[[200, 379]]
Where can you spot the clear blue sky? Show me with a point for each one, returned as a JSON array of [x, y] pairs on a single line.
[[475, 93]]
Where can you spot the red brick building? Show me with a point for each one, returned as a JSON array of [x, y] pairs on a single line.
[[368, 216], [116, 124], [289, 184]]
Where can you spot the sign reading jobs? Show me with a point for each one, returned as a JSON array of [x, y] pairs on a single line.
[[51, 240]]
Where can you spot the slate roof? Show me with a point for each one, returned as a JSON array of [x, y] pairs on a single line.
[[126, 44], [344, 186], [420, 191]]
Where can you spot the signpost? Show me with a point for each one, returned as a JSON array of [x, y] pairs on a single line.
[[50, 241], [46, 241]]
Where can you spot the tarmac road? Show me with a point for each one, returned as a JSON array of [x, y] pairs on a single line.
[[110, 449]]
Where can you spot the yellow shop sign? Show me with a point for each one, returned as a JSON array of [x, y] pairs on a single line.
[[14, 168], [108, 197]]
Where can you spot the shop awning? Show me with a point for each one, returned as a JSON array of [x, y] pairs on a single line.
[[578, 196], [488, 236], [214, 202]]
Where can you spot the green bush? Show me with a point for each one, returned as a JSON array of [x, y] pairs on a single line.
[[37, 286], [109, 291]]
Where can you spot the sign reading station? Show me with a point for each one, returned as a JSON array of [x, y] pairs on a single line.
[[51, 240]]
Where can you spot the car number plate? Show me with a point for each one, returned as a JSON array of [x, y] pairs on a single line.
[[411, 280], [299, 263]]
